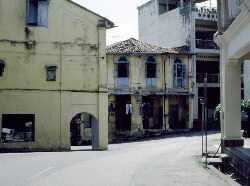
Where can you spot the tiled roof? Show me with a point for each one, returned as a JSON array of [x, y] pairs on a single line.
[[134, 46]]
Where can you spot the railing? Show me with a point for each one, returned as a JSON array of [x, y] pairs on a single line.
[[151, 82], [206, 13], [180, 82], [122, 83], [211, 78], [205, 44]]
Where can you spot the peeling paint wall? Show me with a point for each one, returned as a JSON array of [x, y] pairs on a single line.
[[137, 86], [74, 44]]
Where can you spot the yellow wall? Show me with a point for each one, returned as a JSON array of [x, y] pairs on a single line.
[[137, 70], [76, 45], [137, 79]]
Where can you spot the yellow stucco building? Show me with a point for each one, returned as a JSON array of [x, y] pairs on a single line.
[[150, 89], [52, 74]]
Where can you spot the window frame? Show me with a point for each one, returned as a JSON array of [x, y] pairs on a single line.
[[29, 133], [179, 80], [2, 67], [49, 69], [37, 13]]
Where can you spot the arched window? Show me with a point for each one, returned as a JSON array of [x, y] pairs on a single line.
[[122, 67], [122, 72], [179, 74], [151, 67]]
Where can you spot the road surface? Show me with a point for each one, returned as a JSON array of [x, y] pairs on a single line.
[[172, 161]]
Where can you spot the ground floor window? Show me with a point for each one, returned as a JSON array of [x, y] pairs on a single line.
[[18, 128]]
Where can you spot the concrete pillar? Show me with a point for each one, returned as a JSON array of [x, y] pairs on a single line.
[[102, 95], [246, 79], [112, 119], [166, 113], [136, 117], [231, 86], [191, 112]]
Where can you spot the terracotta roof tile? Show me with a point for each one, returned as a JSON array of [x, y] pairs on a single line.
[[134, 46]]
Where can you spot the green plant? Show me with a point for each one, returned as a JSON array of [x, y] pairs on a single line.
[[245, 106]]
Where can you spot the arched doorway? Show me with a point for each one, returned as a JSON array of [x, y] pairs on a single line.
[[84, 130]]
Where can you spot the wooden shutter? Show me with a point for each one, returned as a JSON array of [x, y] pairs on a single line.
[[43, 7], [31, 12]]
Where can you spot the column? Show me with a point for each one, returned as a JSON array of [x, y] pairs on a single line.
[[102, 95], [191, 112], [166, 114], [231, 95], [136, 117]]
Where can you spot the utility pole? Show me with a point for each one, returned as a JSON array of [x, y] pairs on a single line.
[[205, 114], [203, 102], [202, 125]]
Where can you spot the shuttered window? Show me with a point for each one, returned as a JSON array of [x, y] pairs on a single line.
[[180, 74], [37, 13]]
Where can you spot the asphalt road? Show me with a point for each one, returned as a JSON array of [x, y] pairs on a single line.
[[165, 162]]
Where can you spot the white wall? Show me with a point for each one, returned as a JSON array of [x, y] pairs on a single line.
[[169, 29], [247, 79]]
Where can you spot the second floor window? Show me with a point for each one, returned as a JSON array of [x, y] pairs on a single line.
[[2, 66], [151, 72], [151, 67], [122, 68], [37, 12], [123, 72], [179, 74]]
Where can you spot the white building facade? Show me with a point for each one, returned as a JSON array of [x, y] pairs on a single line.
[[233, 38]]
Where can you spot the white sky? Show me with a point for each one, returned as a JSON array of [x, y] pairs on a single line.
[[122, 12]]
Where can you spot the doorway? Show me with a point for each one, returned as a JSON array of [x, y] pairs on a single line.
[[123, 113], [84, 130], [152, 112]]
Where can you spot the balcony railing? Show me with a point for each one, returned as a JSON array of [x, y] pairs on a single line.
[[206, 13], [151, 82], [211, 78], [205, 44], [122, 83]]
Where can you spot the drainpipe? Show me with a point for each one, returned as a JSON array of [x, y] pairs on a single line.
[[60, 95], [164, 96]]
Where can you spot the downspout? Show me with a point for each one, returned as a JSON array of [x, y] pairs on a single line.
[[98, 88], [164, 95], [60, 95]]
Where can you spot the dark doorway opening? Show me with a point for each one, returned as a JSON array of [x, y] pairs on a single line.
[[213, 99], [123, 113], [152, 111], [179, 113], [84, 130]]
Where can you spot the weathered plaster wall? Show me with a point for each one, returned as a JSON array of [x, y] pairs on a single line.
[[76, 45], [137, 79], [168, 29]]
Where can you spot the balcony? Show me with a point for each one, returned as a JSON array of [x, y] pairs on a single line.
[[206, 44], [151, 83], [211, 78], [122, 82], [208, 14]]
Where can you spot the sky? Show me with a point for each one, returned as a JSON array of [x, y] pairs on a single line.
[[122, 12]]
